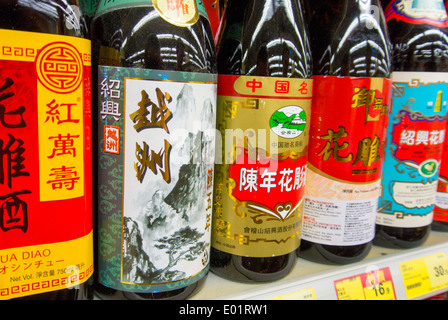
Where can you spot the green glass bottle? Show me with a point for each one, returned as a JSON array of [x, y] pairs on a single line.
[[264, 64]]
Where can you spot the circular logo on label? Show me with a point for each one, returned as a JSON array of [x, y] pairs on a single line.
[[288, 122], [429, 168], [181, 13], [59, 67]]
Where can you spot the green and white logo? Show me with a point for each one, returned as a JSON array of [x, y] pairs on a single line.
[[288, 122], [429, 168]]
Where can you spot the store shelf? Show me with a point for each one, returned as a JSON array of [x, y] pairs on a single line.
[[314, 281]]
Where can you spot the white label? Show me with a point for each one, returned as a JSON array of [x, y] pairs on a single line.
[[442, 200], [414, 195], [335, 222]]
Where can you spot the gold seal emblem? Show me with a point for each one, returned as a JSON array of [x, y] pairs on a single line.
[[182, 13], [59, 67]]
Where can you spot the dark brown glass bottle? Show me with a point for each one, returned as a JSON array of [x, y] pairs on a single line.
[[260, 39], [419, 37], [350, 43], [138, 38], [52, 17]]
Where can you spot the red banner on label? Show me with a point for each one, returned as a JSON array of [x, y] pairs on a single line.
[[274, 186]]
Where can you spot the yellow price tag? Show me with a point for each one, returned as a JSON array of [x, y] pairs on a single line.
[[350, 289], [438, 270], [373, 285], [306, 294], [425, 275], [381, 291]]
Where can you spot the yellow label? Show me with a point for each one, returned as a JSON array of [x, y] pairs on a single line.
[[305, 294], [425, 275], [46, 240], [59, 67], [61, 156], [350, 289], [260, 182], [376, 284], [27, 46], [43, 268], [381, 291]]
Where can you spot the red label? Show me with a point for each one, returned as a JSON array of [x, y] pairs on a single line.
[[212, 8], [441, 214], [24, 219], [266, 186], [349, 121], [45, 163]]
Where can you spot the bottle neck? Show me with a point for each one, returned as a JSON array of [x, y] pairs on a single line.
[[360, 8], [353, 42], [279, 13], [266, 9], [275, 40]]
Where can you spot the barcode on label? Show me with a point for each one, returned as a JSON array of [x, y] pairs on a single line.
[[415, 285]]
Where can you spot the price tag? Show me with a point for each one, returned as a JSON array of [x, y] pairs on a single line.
[[375, 284], [306, 294], [425, 275]]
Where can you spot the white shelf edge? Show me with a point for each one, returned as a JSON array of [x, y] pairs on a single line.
[[321, 278]]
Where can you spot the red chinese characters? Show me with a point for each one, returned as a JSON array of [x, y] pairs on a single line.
[[417, 138]]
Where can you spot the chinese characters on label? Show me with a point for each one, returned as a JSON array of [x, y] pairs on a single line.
[[425, 137], [159, 116], [287, 179], [45, 162], [111, 92], [13, 209], [368, 148]]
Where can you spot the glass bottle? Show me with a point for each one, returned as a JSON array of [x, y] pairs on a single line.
[[263, 57], [45, 152], [419, 37], [351, 102], [156, 110]]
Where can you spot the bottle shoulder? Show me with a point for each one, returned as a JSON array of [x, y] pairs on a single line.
[[139, 37], [276, 45], [355, 47], [52, 16], [419, 47]]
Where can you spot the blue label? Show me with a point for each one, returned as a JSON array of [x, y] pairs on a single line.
[[416, 134]]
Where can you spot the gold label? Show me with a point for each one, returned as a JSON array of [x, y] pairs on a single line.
[[259, 184], [182, 13]]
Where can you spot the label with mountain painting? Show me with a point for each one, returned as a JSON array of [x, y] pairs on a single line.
[[156, 156]]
